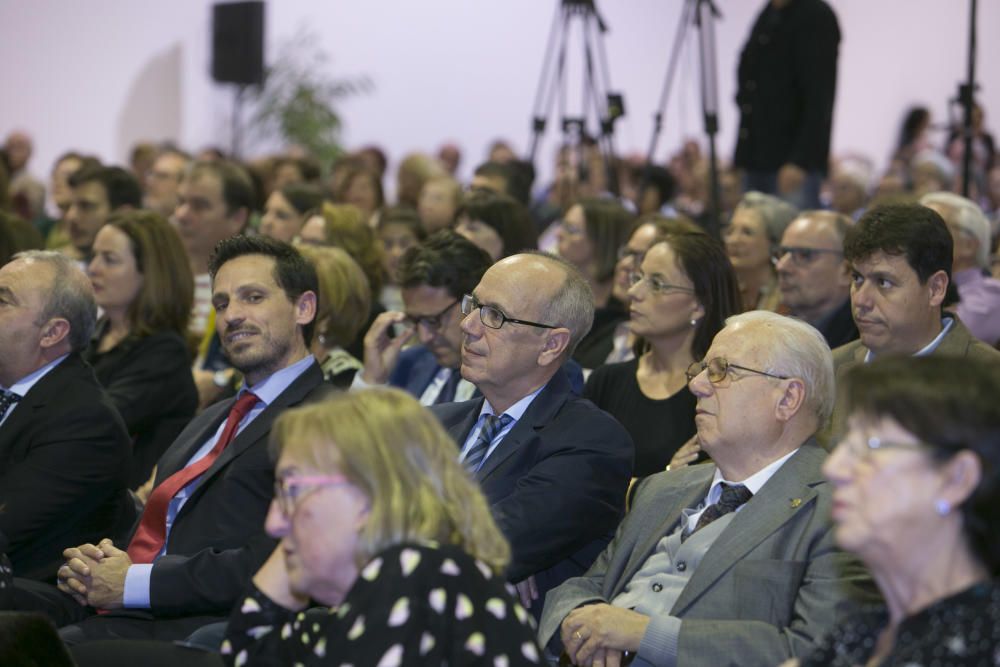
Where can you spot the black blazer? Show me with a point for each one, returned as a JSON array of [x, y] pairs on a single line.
[[217, 541], [64, 456], [556, 483], [149, 380]]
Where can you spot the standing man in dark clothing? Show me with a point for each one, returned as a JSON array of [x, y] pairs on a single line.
[[787, 78]]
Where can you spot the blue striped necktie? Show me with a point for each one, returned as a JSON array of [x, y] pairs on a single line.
[[7, 399], [491, 426]]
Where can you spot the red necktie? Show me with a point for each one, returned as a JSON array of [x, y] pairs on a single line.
[[152, 532]]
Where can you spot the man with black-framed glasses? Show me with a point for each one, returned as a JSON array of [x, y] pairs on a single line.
[[434, 277], [813, 276], [553, 467]]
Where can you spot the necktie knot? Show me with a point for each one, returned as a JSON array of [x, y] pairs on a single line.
[[492, 425], [243, 405], [7, 399], [732, 498]]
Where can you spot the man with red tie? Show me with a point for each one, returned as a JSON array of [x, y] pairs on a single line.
[[201, 534]]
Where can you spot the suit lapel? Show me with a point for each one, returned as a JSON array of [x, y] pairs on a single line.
[[542, 411], [663, 519], [175, 459], [788, 492]]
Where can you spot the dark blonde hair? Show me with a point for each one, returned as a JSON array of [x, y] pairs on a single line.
[[344, 296], [344, 226], [167, 293], [399, 456]]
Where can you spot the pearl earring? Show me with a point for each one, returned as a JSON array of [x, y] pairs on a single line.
[[942, 507], [694, 322]]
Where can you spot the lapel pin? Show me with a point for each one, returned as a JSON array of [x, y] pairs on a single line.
[[796, 502]]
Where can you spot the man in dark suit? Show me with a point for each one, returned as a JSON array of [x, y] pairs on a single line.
[[553, 467], [64, 451], [901, 261], [787, 77], [734, 562], [201, 536], [813, 276], [434, 277]]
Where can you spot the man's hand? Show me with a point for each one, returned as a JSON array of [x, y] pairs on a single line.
[[95, 575], [686, 455], [791, 178], [596, 634], [381, 351], [527, 590]]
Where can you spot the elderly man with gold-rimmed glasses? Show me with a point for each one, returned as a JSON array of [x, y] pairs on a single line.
[[729, 563]]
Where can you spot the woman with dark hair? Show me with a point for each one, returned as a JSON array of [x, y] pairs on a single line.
[[680, 298], [916, 495], [286, 209], [362, 188], [497, 223], [398, 230], [139, 351], [589, 236]]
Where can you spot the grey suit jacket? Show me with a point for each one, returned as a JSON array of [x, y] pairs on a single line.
[[771, 584], [958, 343]]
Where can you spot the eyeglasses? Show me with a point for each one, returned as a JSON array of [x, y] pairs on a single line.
[[493, 317], [656, 284], [863, 448], [432, 322], [718, 368], [801, 255], [289, 490]]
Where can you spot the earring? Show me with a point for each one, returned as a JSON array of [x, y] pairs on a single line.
[[942, 507], [694, 322]]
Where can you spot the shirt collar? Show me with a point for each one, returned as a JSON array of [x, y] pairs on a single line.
[[517, 410], [754, 482], [272, 386], [24, 385], [946, 324]]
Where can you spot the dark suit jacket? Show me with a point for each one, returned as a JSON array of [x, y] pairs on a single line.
[[150, 382], [64, 456], [217, 541], [787, 77], [839, 327], [415, 369], [556, 483], [958, 343], [771, 584]]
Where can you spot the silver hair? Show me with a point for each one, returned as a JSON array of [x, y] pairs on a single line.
[[776, 214], [798, 350], [572, 306], [70, 296], [967, 216]]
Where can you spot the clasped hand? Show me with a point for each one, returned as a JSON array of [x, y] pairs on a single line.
[[95, 575], [597, 635]]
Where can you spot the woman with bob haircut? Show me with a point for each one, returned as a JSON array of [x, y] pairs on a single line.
[[917, 498], [139, 351], [378, 521], [344, 304]]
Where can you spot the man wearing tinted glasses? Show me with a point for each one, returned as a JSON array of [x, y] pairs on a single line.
[[813, 277], [731, 562], [553, 467], [434, 276]]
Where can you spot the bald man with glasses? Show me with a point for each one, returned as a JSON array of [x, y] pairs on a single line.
[[553, 467], [731, 562], [814, 278]]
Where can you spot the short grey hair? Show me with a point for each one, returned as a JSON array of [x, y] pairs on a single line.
[[967, 216], [775, 213], [572, 305], [797, 350], [70, 296]]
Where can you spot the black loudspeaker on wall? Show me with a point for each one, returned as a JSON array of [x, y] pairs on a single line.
[[238, 42]]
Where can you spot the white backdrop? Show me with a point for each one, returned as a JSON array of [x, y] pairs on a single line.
[[98, 75]]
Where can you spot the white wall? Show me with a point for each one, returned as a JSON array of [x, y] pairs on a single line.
[[97, 75]]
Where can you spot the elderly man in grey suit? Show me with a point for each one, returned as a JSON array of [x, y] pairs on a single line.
[[732, 563]]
